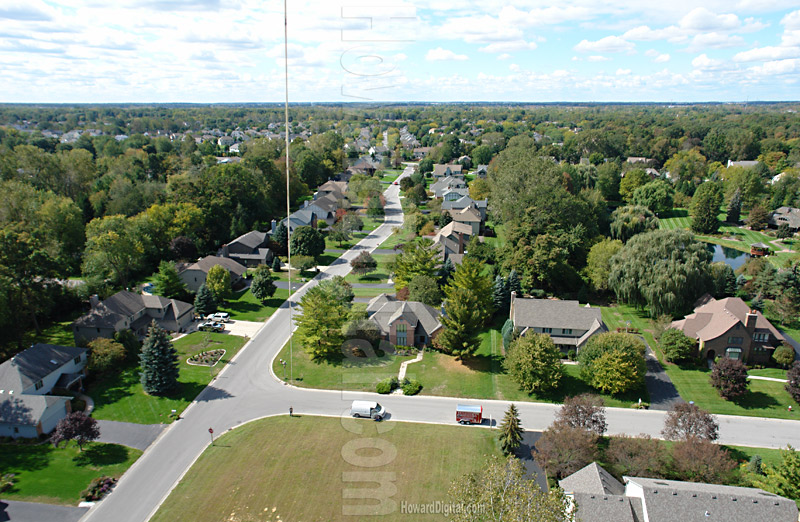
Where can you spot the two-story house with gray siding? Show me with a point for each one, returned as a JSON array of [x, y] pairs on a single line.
[[26, 409]]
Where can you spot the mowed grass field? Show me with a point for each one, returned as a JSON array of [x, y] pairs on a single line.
[[245, 307], [304, 468], [120, 397]]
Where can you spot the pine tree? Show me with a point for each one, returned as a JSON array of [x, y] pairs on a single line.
[[510, 431], [461, 323], [735, 207], [445, 272], [500, 295], [513, 283], [478, 287], [280, 239], [159, 362], [204, 302], [276, 264], [168, 283]]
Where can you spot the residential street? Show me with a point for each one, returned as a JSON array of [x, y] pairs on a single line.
[[247, 390]]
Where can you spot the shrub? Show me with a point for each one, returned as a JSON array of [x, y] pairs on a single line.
[[572, 354], [729, 377], [412, 387], [687, 421], [701, 460], [98, 488], [640, 456], [387, 385], [793, 381], [105, 355], [784, 355], [584, 411], [677, 346]]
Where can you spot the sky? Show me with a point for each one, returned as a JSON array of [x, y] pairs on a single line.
[[231, 51]]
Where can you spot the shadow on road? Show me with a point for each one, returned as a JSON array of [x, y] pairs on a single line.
[[212, 393]]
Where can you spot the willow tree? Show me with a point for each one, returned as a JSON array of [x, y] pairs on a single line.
[[628, 221], [663, 270]]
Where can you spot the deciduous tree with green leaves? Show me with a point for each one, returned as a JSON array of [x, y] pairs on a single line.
[[705, 208], [628, 221], [534, 362], [307, 241], [598, 263], [426, 290], [319, 324], [105, 355], [158, 362], [613, 362], [262, 286], [510, 436], [364, 264], [218, 281], [783, 478], [677, 346]]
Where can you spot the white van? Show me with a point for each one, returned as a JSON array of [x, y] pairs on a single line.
[[367, 409]]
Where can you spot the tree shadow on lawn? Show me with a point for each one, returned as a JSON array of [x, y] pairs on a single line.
[[241, 306], [674, 213], [484, 363], [571, 386], [110, 388], [16, 458], [755, 400], [98, 455]]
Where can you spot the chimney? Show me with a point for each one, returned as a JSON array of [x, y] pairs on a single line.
[[460, 243], [511, 308], [274, 225], [305, 203], [94, 301], [750, 322]]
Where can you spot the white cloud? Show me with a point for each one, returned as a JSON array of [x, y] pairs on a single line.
[[715, 41], [514, 67], [769, 53], [656, 56], [609, 44], [623, 72], [701, 19], [439, 54], [598, 58], [508, 47], [777, 68], [703, 62], [791, 21], [504, 56]]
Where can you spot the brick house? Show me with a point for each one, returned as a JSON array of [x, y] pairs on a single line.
[[729, 328], [404, 323]]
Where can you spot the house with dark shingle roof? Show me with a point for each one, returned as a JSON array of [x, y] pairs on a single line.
[[599, 497], [404, 323], [451, 169], [250, 249], [785, 215], [567, 323], [729, 328], [465, 202], [194, 274], [26, 409], [128, 311]]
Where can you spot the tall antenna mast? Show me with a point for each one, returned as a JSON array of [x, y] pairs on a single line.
[[288, 206]]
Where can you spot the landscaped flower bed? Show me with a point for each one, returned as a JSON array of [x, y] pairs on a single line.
[[209, 358], [99, 488]]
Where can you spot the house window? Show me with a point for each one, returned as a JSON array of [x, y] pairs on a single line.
[[735, 340], [38, 385], [77, 360], [566, 331], [733, 352], [760, 337], [547, 330], [401, 335]]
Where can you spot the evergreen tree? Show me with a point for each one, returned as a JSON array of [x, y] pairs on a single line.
[[276, 264], [445, 272], [510, 435], [158, 362], [735, 207], [461, 322], [168, 283], [705, 207], [444, 219], [204, 302], [280, 240], [319, 325], [514, 284], [262, 285], [500, 295], [478, 287]]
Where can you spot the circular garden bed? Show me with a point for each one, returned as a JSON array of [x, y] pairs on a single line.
[[209, 358]]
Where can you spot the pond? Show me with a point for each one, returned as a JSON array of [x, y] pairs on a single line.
[[730, 256]]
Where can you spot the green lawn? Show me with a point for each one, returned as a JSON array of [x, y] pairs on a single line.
[[245, 307], [395, 239], [775, 373], [359, 374], [120, 397], [57, 476], [371, 223], [304, 463], [389, 175], [372, 292], [381, 275], [764, 398], [619, 316]]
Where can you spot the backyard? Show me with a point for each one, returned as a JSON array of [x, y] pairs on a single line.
[[120, 397], [58, 475], [244, 306], [381, 275], [225, 485]]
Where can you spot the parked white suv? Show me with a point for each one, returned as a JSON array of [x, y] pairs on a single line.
[[221, 317]]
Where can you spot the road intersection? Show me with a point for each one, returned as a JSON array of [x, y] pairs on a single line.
[[247, 390]]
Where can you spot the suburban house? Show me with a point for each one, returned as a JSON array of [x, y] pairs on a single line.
[[421, 152], [26, 409], [786, 215], [439, 187], [567, 323], [729, 328], [305, 217], [599, 497], [194, 274], [249, 249], [454, 194], [469, 216], [465, 202], [364, 166], [481, 171], [453, 238], [128, 311], [450, 169], [404, 323], [337, 188], [324, 208], [747, 164]]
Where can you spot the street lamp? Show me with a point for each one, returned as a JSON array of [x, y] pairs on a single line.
[[284, 369]]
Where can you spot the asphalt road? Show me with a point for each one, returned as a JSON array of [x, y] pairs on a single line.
[[247, 390]]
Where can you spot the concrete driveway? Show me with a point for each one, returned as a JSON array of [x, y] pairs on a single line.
[[29, 512], [242, 328]]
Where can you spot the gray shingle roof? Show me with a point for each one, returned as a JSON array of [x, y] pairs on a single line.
[[385, 310], [205, 264], [34, 364], [604, 508], [592, 479], [550, 313], [252, 239]]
